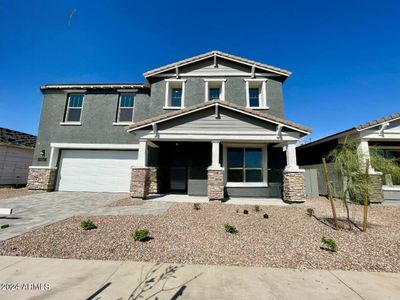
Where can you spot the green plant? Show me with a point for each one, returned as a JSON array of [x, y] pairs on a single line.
[[257, 208], [88, 225], [265, 216], [230, 228], [141, 235], [196, 206], [388, 166], [329, 243], [310, 212], [4, 226]]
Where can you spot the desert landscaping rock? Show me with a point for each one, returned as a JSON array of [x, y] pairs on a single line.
[[288, 239]]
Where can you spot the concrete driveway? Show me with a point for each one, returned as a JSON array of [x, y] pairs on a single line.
[[39, 209]]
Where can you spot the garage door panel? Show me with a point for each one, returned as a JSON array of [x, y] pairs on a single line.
[[95, 171]]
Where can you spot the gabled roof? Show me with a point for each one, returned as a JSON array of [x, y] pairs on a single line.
[[353, 130], [218, 54], [17, 138], [194, 108]]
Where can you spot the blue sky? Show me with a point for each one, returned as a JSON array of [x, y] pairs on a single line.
[[344, 55]]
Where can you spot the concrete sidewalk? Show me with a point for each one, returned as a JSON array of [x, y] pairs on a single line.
[[43, 278]]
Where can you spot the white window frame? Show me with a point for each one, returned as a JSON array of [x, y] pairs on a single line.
[[118, 122], [260, 83], [207, 87], [263, 148], [169, 85], [66, 122]]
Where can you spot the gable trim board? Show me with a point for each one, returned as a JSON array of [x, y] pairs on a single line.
[[217, 54], [217, 103]]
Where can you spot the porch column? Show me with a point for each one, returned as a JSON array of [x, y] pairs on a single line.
[[376, 194], [215, 183], [140, 175], [215, 154], [294, 189]]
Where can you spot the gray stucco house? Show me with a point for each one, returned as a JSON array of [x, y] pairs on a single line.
[[211, 125], [16, 153], [383, 135]]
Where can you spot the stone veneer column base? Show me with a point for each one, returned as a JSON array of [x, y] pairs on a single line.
[[215, 183], [42, 179], [139, 183], [376, 194], [153, 180], [294, 189]]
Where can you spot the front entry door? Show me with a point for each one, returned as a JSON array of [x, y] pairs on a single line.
[[178, 178]]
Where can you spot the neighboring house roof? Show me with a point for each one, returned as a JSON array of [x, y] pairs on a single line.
[[218, 54], [87, 86], [191, 109], [355, 129], [17, 138]]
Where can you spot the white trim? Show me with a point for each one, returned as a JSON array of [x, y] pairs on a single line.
[[146, 75], [205, 74], [207, 89], [42, 167], [263, 93], [264, 150], [70, 123], [71, 91], [246, 184], [168, 90], [391, 188], [121, 123], [83, 86], [227, 107], [377, 124], [95, 146]]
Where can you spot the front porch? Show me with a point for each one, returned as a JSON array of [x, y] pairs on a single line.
[[218, 150]]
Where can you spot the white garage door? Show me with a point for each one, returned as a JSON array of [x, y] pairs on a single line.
[[95, 170]]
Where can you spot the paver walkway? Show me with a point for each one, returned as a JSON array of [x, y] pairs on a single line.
[[36, 210], [45, 278]]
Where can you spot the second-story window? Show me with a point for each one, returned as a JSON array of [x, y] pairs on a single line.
[[126, 106], [175, 93], [176, 97], [74, 108], [214, 94], [254, 97], [214, 89], [256, 93]]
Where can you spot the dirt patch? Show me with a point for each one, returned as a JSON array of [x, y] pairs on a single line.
[[289, 238], [6, 193]]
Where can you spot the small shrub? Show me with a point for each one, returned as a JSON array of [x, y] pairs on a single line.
[[4, 226], [310, 212], [230, 228], [246, 212], [196, 206], [237, 210], [329, 243], [257, 208], [265, 216], [88, 225], [141, 235]]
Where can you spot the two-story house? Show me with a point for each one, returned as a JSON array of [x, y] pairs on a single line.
[[211, 125]]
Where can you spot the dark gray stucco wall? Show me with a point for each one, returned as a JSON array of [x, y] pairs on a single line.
[[98, 114], [235, 92]]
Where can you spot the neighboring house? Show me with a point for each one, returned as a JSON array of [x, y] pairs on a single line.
[[16, 153], [381, 134], [211, 125]]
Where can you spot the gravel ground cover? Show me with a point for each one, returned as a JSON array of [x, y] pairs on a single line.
[[125, 202], [289, 238], [6, 193]]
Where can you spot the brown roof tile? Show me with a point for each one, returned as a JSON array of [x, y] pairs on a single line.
[[221, 54], [168, 115]]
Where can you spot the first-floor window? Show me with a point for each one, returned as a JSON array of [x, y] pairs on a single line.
[[245, 164], [74, 108], [126, 106]]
